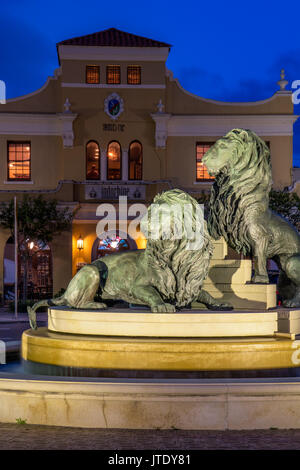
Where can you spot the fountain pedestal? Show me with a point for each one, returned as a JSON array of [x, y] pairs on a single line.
[[120, 342]]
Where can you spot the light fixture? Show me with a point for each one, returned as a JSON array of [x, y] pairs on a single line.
[[80, 243], [31, 245]]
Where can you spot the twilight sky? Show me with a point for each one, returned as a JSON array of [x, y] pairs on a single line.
[[230, 51]]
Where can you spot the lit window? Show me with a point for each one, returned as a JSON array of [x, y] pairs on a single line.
[[201, 170], [92, 74], [114, 171], [18, 161], [92, 161], [113, 74], [135, 161], [134, 75]]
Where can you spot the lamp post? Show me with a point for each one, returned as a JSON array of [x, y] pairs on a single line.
[[16, 256]]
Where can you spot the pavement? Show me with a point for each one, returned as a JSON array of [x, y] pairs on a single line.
[[10, 317], [11, 329], [33, 437]]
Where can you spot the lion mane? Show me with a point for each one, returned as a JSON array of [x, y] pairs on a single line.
[[176, 271], [241, 187]]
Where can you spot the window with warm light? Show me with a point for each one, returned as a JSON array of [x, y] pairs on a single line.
[[19, 161], [92, 161], [92, 74], [201, 170], [134, 75], [113, 74], [114, 161], [135, 161]]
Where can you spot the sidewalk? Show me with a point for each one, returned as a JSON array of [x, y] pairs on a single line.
[[11, 329], [33, 437], [9, 317]]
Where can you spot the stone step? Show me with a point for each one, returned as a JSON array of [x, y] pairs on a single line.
[[140, 323], [243, 296], [229, 271], [220, 249]]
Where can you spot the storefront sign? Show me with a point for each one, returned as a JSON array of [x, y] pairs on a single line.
[[113, 191]]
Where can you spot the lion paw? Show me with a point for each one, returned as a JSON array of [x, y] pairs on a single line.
[[293, 303], [222, 306], [163, 308]]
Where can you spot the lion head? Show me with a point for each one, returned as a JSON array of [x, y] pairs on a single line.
[[179, 248], [240, 162]]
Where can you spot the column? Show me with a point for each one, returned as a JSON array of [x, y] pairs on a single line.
[[125, 164], [103, 165]]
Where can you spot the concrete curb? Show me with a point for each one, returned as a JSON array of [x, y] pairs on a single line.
[[145, 404]]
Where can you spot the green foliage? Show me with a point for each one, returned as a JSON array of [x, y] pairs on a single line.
[[21, 421], [38, 219], [286, 204]]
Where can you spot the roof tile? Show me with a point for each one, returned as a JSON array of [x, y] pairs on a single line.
[[113, 37]]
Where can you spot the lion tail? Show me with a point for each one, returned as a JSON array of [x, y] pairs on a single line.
[[42, 303]]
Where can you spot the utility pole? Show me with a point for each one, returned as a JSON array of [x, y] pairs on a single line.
[[16, 256]]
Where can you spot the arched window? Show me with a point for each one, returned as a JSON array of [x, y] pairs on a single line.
[[114, 161], [135, 161], [92, 161], [112, 242]]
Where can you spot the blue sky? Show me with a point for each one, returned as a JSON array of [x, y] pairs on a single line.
[[231, 51]]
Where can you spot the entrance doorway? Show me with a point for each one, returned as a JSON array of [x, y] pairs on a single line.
[[110, 244], [39, 271]]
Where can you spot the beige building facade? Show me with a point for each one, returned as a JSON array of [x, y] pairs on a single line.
[[114, 121]]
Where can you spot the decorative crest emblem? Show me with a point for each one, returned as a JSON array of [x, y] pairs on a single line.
[[113, 106]]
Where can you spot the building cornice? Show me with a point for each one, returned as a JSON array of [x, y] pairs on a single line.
[[216, 125], [104, 85], [106, 53], [39, 124]]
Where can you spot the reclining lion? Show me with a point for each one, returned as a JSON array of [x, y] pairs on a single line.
[[165, 276]]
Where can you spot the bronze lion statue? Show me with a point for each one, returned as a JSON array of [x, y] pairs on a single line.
[[239, 210], [166, 276]]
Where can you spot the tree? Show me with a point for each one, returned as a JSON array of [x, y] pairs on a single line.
[[286, 204], [39, 221]]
